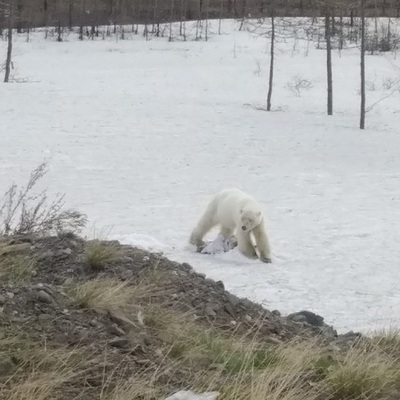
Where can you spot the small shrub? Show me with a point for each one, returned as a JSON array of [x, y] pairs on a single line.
[[99, 254], [364, 373], [388, 83], [323, 365], [298, 84], [388, 340], [25, 211], [16, 268], [104, 294]]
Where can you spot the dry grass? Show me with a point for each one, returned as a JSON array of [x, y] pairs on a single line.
[[364, 372], [240, 368], [184, 352], [388, 340], [108, 294], [16, 268], [138, 387], [35, 371], [98, 254], [193, 344]]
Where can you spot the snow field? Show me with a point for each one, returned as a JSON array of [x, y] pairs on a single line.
[[139, 135]]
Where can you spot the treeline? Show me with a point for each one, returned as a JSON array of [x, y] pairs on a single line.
[[69, 13]]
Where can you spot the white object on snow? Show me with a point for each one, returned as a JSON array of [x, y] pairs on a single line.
[[189, 395], [219, 245]]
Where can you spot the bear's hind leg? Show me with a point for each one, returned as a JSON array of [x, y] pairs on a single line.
[[245, 245]]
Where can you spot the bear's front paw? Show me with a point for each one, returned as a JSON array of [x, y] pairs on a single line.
[[266, 260]]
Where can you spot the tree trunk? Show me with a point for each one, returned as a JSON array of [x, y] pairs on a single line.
[[221, 10], [45, 16], [171, 17], [9, 41], [19, 16], [362, 65], [329, 63], [82, 20], [207, 17], [70, 10], [271, 64]]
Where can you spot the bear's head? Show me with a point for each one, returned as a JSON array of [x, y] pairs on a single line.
[[249, 219]]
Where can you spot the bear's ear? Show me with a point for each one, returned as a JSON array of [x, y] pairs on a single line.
[[241, 211], [258, 214]]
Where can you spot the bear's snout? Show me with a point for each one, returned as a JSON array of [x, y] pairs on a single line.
[[243, 228]]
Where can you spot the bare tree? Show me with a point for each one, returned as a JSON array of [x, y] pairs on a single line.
[[272, 60], [207, 18], [329, 62], [82, 19], [182, 25], [221, 10], [11, 11], [156, 19], [362, 66], [171, 20]]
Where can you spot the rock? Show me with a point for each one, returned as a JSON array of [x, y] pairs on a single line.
[[120, 342], [10, 295], [116, 330], [6, 366], [308, 317], [61, 338], [220, 285], [233, 300], [273, 340], [44, 317], [48, 254], [196, 303], [121, 320], [208, 310], [228, 308], [43, 297], [2, 300], [187, 266], [328, 331], [347, 339], [64, 253], [127, 275]]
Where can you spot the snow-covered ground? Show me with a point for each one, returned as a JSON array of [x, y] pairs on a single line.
[[139, 134]]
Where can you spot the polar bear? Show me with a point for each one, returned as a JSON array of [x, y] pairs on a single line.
[[235, 210]]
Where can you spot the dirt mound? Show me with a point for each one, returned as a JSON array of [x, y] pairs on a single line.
[[51, 292]]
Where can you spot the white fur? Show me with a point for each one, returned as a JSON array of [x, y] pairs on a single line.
[[235, 210]]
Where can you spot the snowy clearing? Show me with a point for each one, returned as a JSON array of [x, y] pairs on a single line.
[[139, 135]]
